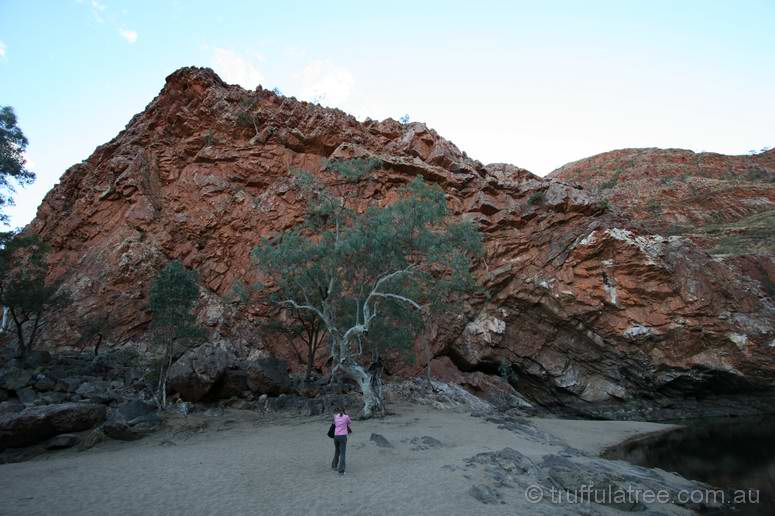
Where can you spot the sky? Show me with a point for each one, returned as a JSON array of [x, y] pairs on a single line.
[[536, 84]]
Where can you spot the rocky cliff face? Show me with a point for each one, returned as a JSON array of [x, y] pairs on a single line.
[[724, 204], [586, 302]]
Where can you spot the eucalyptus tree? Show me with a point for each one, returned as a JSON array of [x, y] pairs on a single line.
[[370, 274], [13, 143], [24, 290]]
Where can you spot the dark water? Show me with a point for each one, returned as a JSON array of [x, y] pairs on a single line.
[[733, 453]]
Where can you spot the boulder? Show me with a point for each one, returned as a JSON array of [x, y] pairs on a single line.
[[14, 379], [11, 407], [51, 398], [69, 384], [284, 402], [135, 409], [91, 439], [234, 383], [380, 441], [426, 442], [36, 424], [36, 359], [268, 376], [27, 395], [314, 407], [97, 391], [62, 441], [197, 371], [122, 430], [44, 383], [86, 389], [132, 421]]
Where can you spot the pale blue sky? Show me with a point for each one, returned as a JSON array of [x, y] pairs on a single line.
[[536, 84]]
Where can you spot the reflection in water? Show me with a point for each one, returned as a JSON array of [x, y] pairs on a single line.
[[735, 453]]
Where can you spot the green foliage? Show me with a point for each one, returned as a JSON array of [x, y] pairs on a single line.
[[353, 170], [535, 198], [240, 293], [23, 286], [174, 291], [247, 103], [371, 271], [13, 143], [395, 329], [605, 205], [607, 185], [173, 295], [759, 175], [248, 119], [676, 229], [246, 116], [95, 328], [752, 235]]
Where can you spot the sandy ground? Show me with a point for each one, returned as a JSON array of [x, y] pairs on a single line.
[[237, 464]]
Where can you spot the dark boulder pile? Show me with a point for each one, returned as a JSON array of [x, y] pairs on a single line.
[[66, 399], [211, 372]]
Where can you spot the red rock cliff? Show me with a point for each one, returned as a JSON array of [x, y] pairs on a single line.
[[587, 303]]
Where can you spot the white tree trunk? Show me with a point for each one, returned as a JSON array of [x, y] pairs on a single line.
[[371, 388], [4, 325]]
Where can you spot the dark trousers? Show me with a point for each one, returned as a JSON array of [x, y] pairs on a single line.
[[340, 450]]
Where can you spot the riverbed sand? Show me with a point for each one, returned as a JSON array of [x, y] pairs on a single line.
[[236, 463]]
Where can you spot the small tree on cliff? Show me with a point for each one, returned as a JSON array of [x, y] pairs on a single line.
[[359, 271], [173, 327], [23, 287]]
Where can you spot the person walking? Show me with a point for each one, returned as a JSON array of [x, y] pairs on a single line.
[[341, 429]]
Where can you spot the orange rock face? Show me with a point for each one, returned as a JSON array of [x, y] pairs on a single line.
[[586, 303], [724, 204]]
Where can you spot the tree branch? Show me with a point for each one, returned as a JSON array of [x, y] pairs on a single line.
[[399, 298], [367, 317], [311, 308]]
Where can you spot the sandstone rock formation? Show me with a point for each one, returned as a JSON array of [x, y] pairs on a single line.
[[724, 204], [583, 301]]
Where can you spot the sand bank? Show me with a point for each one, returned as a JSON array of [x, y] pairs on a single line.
[[236, 464]]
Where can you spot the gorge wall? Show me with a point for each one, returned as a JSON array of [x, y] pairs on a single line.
[[591, 294]]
